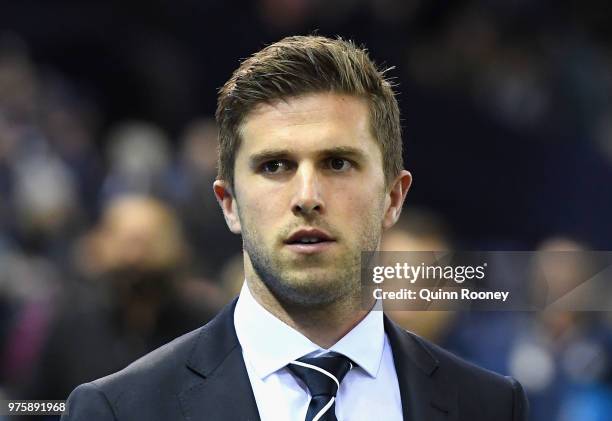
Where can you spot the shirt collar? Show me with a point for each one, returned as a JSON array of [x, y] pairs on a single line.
[[270, 344]]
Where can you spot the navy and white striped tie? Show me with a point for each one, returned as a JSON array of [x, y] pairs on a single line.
[[322, 376]]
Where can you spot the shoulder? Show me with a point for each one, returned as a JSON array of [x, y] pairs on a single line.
[[148, 388], [144, 384], [464, 372], [164, 365], [480, 393]]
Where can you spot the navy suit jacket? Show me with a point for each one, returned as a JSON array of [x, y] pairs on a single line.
[[201, 376]]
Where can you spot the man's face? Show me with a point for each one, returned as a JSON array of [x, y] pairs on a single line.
[[309, 196]]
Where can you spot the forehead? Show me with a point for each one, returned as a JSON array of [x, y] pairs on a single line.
[[310, 123]]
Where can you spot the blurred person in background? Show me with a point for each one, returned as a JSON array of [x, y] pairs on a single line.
[[30, 289], [420, 230], [191, 181], [70, 122], [46, 219], [47, 162], [139, 160], [563, 358], [134, 296], [40, 215], [46, 207]]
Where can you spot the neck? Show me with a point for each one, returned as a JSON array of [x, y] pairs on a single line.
[[323, 324]]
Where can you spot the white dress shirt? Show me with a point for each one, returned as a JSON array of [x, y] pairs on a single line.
[[369, 391]]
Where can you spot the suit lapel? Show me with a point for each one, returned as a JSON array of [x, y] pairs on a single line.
[[219, 388], [427, 395]]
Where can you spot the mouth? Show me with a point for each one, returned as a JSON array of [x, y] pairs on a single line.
[[309, 241]]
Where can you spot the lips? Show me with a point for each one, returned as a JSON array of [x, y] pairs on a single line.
[[309, 241], [308, 236]]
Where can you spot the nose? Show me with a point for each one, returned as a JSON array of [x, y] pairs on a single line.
[[307, 199]]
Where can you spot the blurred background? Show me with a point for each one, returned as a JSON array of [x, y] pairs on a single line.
[[111, 242]]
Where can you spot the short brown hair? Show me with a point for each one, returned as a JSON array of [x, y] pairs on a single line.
[[300, 65]]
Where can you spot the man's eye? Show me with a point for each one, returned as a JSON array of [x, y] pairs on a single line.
[[339, 164], [274, 167]]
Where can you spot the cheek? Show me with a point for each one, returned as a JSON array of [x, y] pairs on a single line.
[[261, 206], [360, 208]]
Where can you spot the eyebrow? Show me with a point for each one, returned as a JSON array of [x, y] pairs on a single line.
[[272, 154]]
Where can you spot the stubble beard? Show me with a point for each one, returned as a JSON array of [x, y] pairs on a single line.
[[294, 286]]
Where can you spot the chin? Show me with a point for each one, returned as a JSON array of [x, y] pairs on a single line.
[[310, 290]]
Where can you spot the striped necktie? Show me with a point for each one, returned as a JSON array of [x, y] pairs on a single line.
[[322, 376]]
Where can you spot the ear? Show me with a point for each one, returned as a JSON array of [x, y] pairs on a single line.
[[395, 198], [228, 204]]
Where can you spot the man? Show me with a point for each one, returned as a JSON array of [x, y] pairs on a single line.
[[310, 174]]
